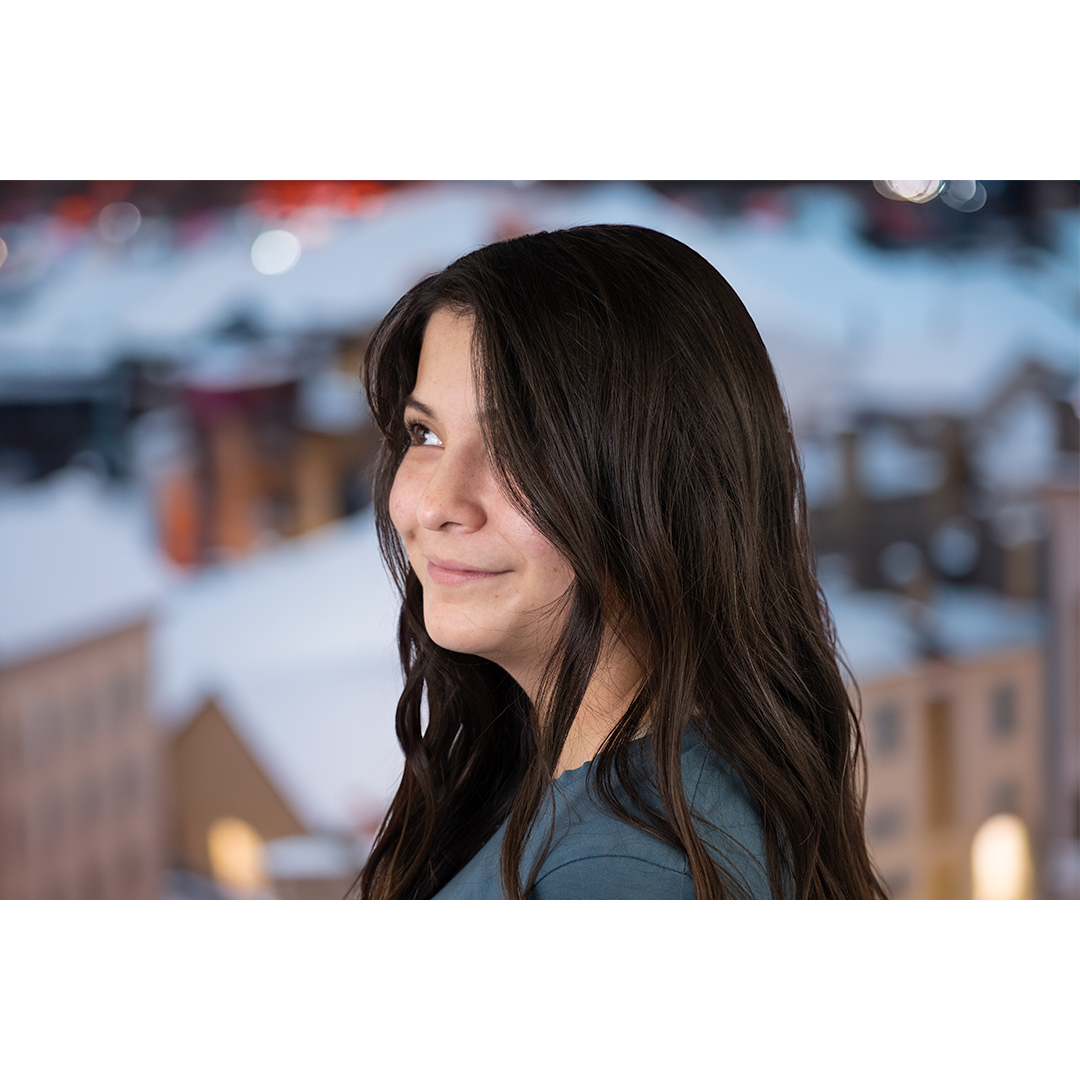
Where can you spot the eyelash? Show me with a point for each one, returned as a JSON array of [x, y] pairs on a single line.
[[415, 434]]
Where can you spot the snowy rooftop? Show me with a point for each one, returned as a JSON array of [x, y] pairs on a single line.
[[846, 325], [297, 644], [878, 638], [76, 561]]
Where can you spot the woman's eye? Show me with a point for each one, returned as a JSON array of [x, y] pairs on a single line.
[[422, 436]]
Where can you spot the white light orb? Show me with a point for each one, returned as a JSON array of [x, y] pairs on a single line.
[[976, 202], [917, 191], [119, 221], [275, 251], [3, 251], [958, 192]]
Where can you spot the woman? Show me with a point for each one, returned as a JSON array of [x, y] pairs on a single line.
[[620, 675]]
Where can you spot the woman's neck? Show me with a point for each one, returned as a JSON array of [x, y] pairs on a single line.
[[618, 678]]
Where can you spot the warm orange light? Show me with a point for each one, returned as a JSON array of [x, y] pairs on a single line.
[[1001, 867], [237, 855]]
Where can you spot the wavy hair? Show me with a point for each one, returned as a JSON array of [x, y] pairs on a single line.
[[631, 412]]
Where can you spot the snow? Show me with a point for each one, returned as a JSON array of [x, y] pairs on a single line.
[[878, 638], [890, 467], [76, 561], [307, 857], [1017, 447], [297, 644], [331, 402], [822, 465], [847, 326]]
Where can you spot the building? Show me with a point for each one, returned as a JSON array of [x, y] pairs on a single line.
[[278, 683], [79, 755], [954, 718]]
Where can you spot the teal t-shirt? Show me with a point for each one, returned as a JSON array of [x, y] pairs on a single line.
[[595, 856]]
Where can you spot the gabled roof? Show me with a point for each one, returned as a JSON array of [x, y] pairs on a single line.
[[297, 646]]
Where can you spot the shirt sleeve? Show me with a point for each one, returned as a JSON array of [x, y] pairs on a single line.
[[613, 877]]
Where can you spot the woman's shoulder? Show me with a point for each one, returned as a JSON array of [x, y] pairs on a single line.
[[595, 854]]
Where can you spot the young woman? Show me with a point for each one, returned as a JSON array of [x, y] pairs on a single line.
[[620, 674]]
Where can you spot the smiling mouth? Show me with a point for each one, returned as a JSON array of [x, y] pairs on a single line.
[[458, 573]]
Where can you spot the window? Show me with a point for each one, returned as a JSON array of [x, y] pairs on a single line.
[[886, 824], [53, 818], [1003, 711], [131, 870], [898, 883], [939, 778], [1005, 797], [90, 802], [127, 783], [86, 718], [11, 751], [125, 697], [885, 729]]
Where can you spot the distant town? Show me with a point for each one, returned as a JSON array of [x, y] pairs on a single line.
[[198, 668]]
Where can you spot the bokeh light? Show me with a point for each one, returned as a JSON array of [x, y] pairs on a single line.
[[958, 192], [237, 854], [1001, 866], [901, 562], [966, 196], [119, 221], [3, 251], [917, 191], [275, 251]]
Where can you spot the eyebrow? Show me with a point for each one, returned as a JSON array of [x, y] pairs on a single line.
[[420, 407]]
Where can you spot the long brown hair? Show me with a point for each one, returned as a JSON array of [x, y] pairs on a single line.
[[631, 411]]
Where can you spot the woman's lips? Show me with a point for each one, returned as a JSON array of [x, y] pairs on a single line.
[[449, 572]]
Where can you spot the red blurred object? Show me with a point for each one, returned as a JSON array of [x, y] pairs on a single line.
[[280, 198], [76, 209]]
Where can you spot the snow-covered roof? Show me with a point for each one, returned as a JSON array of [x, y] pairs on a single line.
[[306, 857], [891, 467], [847, 326], [297, 643], [76, 561], [331, 402], [878, 636]]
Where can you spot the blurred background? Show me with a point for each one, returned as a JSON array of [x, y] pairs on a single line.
[[197, 668]]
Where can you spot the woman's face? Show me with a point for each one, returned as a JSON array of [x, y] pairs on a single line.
[[490, 578]]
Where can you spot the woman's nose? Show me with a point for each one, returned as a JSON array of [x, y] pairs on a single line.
[[452, 495]]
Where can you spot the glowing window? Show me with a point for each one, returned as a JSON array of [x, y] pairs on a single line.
[[1001, 867], [237, 855]]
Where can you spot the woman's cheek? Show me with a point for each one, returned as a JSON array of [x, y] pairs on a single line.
[[544, 558], [402, 501]]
